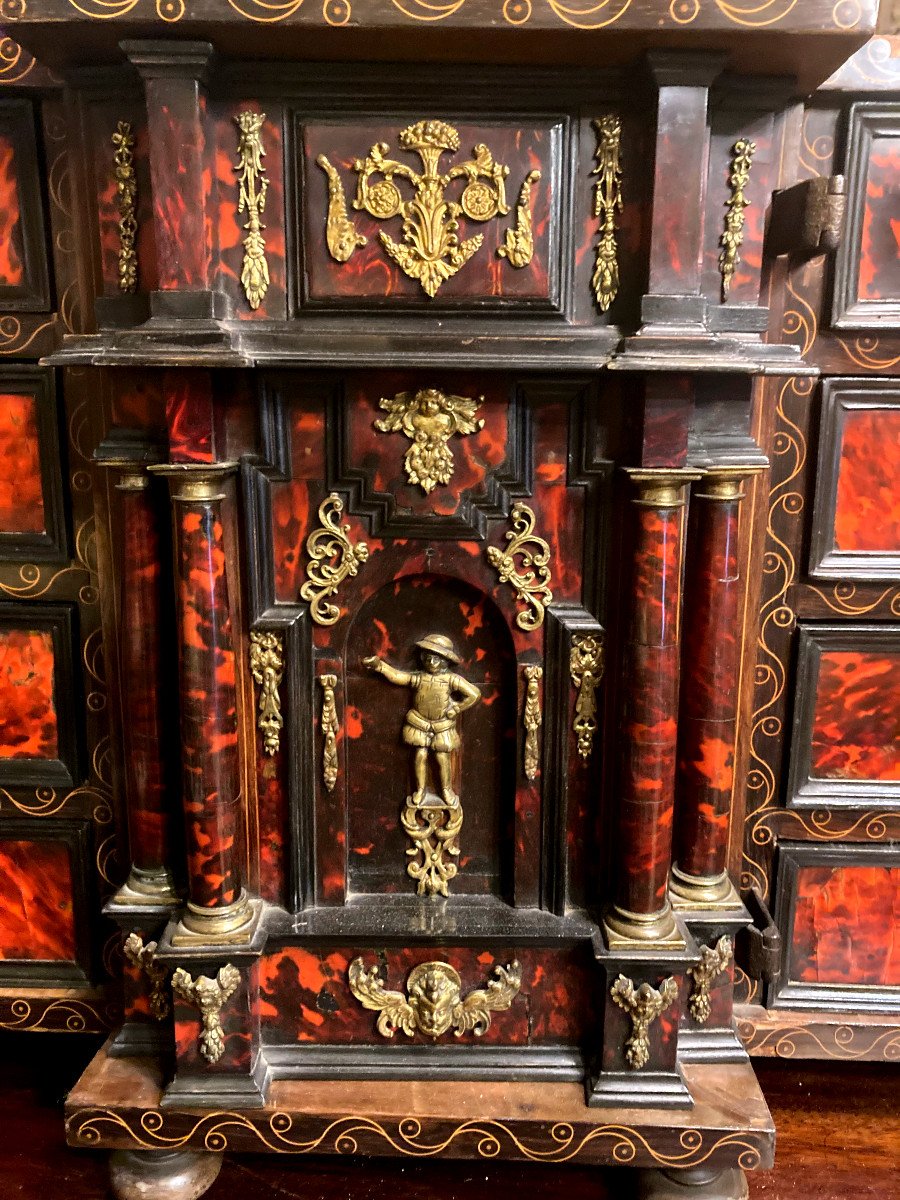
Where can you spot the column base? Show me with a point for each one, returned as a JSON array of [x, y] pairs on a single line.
[[697, 1183], [623, 929], [232, 925], [707, 893], [649, 1089], [147, 889], [162, 1174]]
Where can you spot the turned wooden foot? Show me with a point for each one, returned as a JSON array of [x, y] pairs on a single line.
[[162, 1174], [697, 1183]]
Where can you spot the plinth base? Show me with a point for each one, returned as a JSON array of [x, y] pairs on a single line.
[[116, 1105]]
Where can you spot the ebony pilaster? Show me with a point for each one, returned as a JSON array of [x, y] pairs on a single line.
[[641, 911], [218, 909], [175, 75]]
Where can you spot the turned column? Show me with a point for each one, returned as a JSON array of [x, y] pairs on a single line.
[[641, 909], [218, 907], [175, 75], [709, 693], [143, 727]]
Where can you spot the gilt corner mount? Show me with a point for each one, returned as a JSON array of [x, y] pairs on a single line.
[[431, 251]]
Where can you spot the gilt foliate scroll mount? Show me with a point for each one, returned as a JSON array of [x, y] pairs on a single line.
[[333, 557], [586, 669], [126, 199], [252, 188], [525, 564], [733, 235], [432, 821], [143, 957], [607, 202], [714, 960], [267, 668], [429, 418], [434, 1003], [209, 996], [644, 1005], [430, 251]]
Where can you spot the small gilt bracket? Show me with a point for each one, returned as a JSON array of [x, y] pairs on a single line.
[[126, 198], [607, 202], [433, 1003], [532, 582], [586, 668], [323, 578], [143, 957], [713, 961], [531, 719], [730, 241], [330, 727], [252, 185], [429, 418], [209, 996], [644, 1005], [433, 828], [267, 667]]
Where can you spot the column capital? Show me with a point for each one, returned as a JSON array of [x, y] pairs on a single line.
[[195, 481], [158, 59], [690, 68], [661, 487]]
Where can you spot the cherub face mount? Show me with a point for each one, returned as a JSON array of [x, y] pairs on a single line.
[[431, 728]]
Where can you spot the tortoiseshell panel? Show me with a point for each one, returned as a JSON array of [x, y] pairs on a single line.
[[28, 721], [856, 721], [867, 508], [237, 1019], [370, 274], [190, 416], [879, 259], [11, 266], [230, 223], [36, 917], [847, 925], [305, 996], [21, 488]]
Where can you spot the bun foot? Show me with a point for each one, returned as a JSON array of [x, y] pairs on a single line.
[[698, 1183], [162, 1174]]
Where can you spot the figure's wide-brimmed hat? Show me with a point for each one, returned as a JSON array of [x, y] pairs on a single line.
[[439, 643]]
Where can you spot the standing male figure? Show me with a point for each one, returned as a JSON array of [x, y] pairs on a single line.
[[440, 697]]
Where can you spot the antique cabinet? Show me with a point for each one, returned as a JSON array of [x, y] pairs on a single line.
[[426, 386]]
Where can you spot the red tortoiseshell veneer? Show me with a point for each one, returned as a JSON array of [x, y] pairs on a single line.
[[647, 783], [209, 736], [28, 719], [144, 730], [21, 489], [11, 269], [36, 914], [867, 504], [709, 687], [855, 732]]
